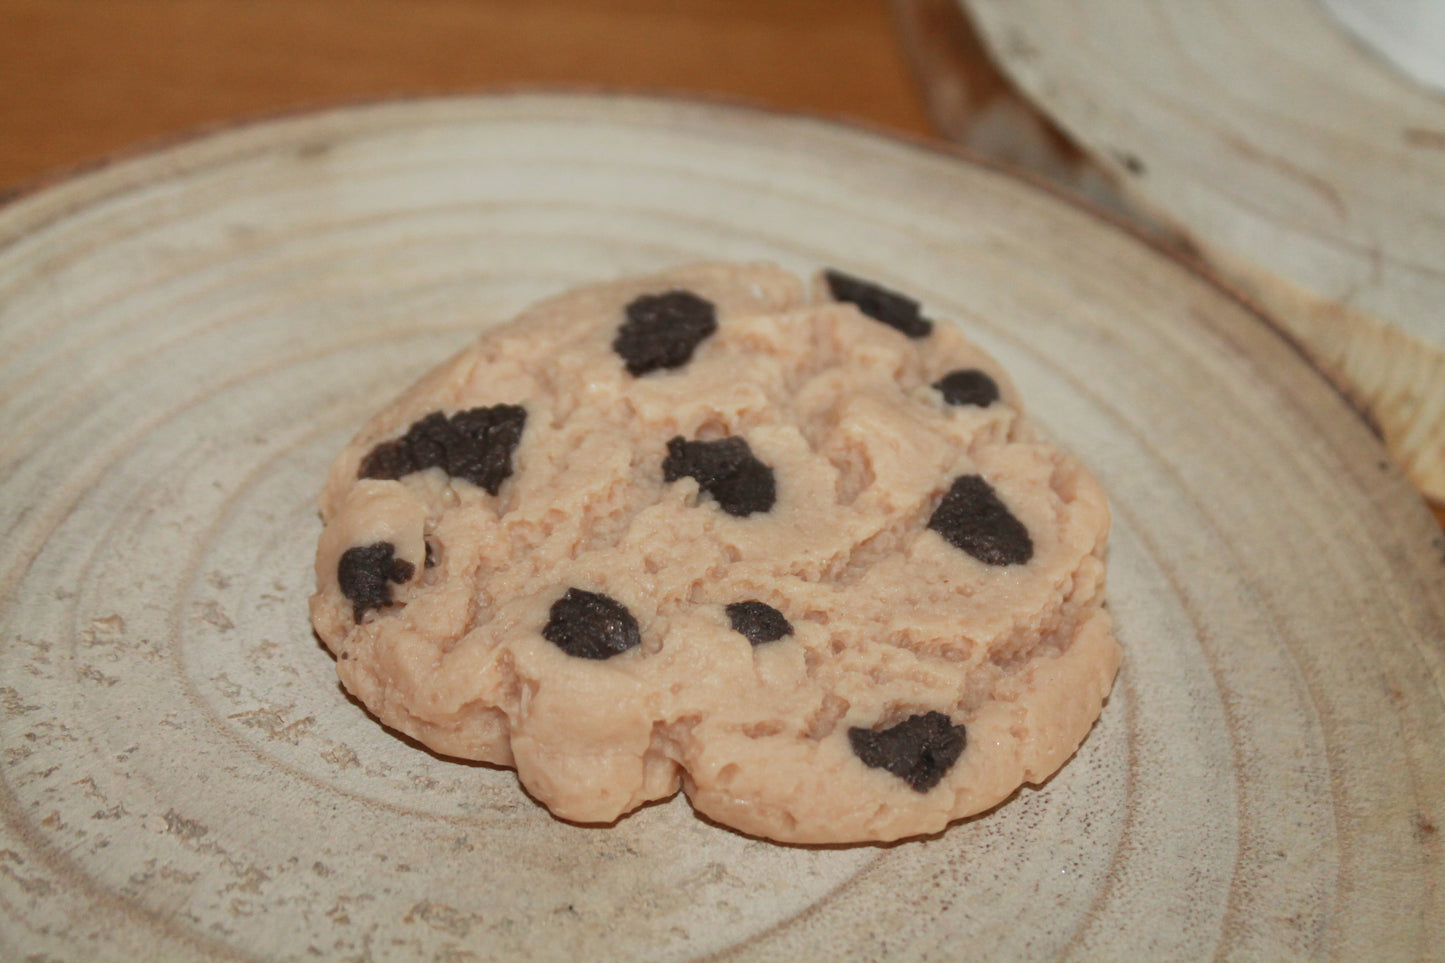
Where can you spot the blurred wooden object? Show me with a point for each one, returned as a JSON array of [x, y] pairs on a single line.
[[972, 103], [1265, 137], [83, 79]]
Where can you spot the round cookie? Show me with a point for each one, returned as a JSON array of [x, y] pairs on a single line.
[[794, 550]]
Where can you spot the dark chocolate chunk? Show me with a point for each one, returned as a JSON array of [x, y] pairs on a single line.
[[726, 469], [973, 518], [919, 750], [663, 330], [968, 386], [590, 625], [365, 574], [474, 445], [758, 622], [879, 303], [390, 459]]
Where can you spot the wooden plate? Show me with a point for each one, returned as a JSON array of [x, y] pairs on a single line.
[[188, 337]]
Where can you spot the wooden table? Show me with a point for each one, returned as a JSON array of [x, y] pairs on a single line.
[[84, 79]]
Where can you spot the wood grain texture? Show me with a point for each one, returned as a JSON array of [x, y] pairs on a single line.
[[84, 78], [1305, 169], [186, 339]]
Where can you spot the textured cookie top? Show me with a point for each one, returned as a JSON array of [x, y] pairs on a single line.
[[795, 550]]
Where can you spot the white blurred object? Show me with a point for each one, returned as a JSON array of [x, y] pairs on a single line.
[[1408, 33]]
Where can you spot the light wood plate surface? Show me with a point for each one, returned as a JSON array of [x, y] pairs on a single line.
[[187, 338]]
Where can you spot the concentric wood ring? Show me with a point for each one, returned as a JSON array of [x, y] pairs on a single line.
[[187, 338]]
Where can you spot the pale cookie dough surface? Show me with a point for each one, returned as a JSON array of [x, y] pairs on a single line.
[[575, 623]]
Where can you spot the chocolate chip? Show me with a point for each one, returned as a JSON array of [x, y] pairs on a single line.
[[879, 303], [365, 574], [589, 625], [726, 469], [390, 459], [968, 386], [758, 622], [663, 330], [919, 750], [972, 518], [473, 445]]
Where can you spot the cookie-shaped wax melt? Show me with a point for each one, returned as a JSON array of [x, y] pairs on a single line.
[[792, 549]]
